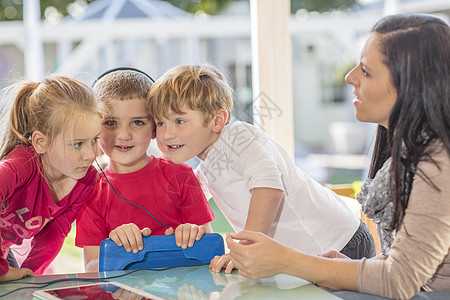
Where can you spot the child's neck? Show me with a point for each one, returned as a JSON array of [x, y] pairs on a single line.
[[119, 168], [61, 187]]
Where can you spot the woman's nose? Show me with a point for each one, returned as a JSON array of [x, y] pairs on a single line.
[[350, 78]]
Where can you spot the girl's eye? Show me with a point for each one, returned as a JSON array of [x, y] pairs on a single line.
[[78, 145]]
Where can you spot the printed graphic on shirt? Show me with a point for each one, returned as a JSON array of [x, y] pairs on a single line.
[[16, 226]]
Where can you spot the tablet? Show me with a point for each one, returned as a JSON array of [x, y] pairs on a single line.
[[99, 290]]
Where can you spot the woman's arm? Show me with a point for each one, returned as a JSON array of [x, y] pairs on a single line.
[[257, 256]]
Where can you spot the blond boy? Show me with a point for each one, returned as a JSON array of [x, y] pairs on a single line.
[[252, 179]]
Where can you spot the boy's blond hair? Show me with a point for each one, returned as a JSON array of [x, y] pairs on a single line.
[[122, 84], [197, 87]]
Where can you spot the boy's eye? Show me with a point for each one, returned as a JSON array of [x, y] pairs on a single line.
[[179, 122], [138, 122], [159, 124], [110, 123]]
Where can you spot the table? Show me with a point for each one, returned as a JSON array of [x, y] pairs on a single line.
[[188, 283]]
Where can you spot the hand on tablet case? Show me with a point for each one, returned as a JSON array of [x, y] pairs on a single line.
[[160, 252]]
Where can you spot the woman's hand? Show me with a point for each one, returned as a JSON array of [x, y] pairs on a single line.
[[256, 255]]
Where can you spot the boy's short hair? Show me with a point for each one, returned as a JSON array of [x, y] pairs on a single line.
[[197, 87], [122, 84]]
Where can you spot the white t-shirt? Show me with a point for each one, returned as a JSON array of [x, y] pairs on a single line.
[[311, 217]]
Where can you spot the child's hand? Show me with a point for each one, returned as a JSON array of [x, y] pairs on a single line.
[[129, 236], [186, 234], [16, 273], [219, 262]]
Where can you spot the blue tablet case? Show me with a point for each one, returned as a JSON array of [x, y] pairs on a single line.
[[160, 251]]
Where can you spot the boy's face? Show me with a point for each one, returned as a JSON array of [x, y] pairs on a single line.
[[126, 134], [185, 136]]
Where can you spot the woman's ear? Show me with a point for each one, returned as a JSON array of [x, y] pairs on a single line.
[[39, 141], [220, 120]]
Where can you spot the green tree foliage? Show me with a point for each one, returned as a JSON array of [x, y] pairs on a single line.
[[322, 5], [211, 7], [13, 9]]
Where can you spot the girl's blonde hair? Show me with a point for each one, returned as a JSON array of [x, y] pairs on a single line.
[[197, 87], [50, 106]]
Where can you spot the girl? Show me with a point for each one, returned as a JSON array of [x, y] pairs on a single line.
[[47, 148], [402, 83]]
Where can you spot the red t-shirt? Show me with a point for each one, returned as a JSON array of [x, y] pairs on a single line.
[[170, 192], [31, 211]]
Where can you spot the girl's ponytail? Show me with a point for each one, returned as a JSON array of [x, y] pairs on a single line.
[[19, 123]]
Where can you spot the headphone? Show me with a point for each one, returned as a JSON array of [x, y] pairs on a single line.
[[122, 69]]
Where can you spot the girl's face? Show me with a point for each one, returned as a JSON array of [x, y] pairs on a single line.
[[73, 151], [375, 94], [126, 134]]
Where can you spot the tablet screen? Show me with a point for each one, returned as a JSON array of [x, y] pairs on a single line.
[[98, 291]]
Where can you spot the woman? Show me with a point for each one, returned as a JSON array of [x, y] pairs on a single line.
[[402, 84]]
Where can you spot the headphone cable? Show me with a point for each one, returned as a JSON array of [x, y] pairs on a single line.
[[110, 185]]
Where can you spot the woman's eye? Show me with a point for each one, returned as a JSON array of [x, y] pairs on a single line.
[[95, 140], [364, 72], [78, 145]]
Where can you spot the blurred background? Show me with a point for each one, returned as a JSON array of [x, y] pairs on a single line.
[[83, 38]]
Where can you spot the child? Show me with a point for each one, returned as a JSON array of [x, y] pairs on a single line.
[[47, 148], [164, 194], [252, 179]]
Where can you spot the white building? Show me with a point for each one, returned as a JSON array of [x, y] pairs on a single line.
[[154, 36]]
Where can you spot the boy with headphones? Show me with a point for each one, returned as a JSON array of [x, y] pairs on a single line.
[[137, 194]]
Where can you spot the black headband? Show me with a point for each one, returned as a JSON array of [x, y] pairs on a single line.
[[122, 69]]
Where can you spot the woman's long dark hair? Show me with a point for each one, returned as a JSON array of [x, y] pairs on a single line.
[[416, 49]]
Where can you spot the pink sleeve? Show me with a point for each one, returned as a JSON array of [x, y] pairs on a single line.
[[46, 245], [4, 267], [15, 171]]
